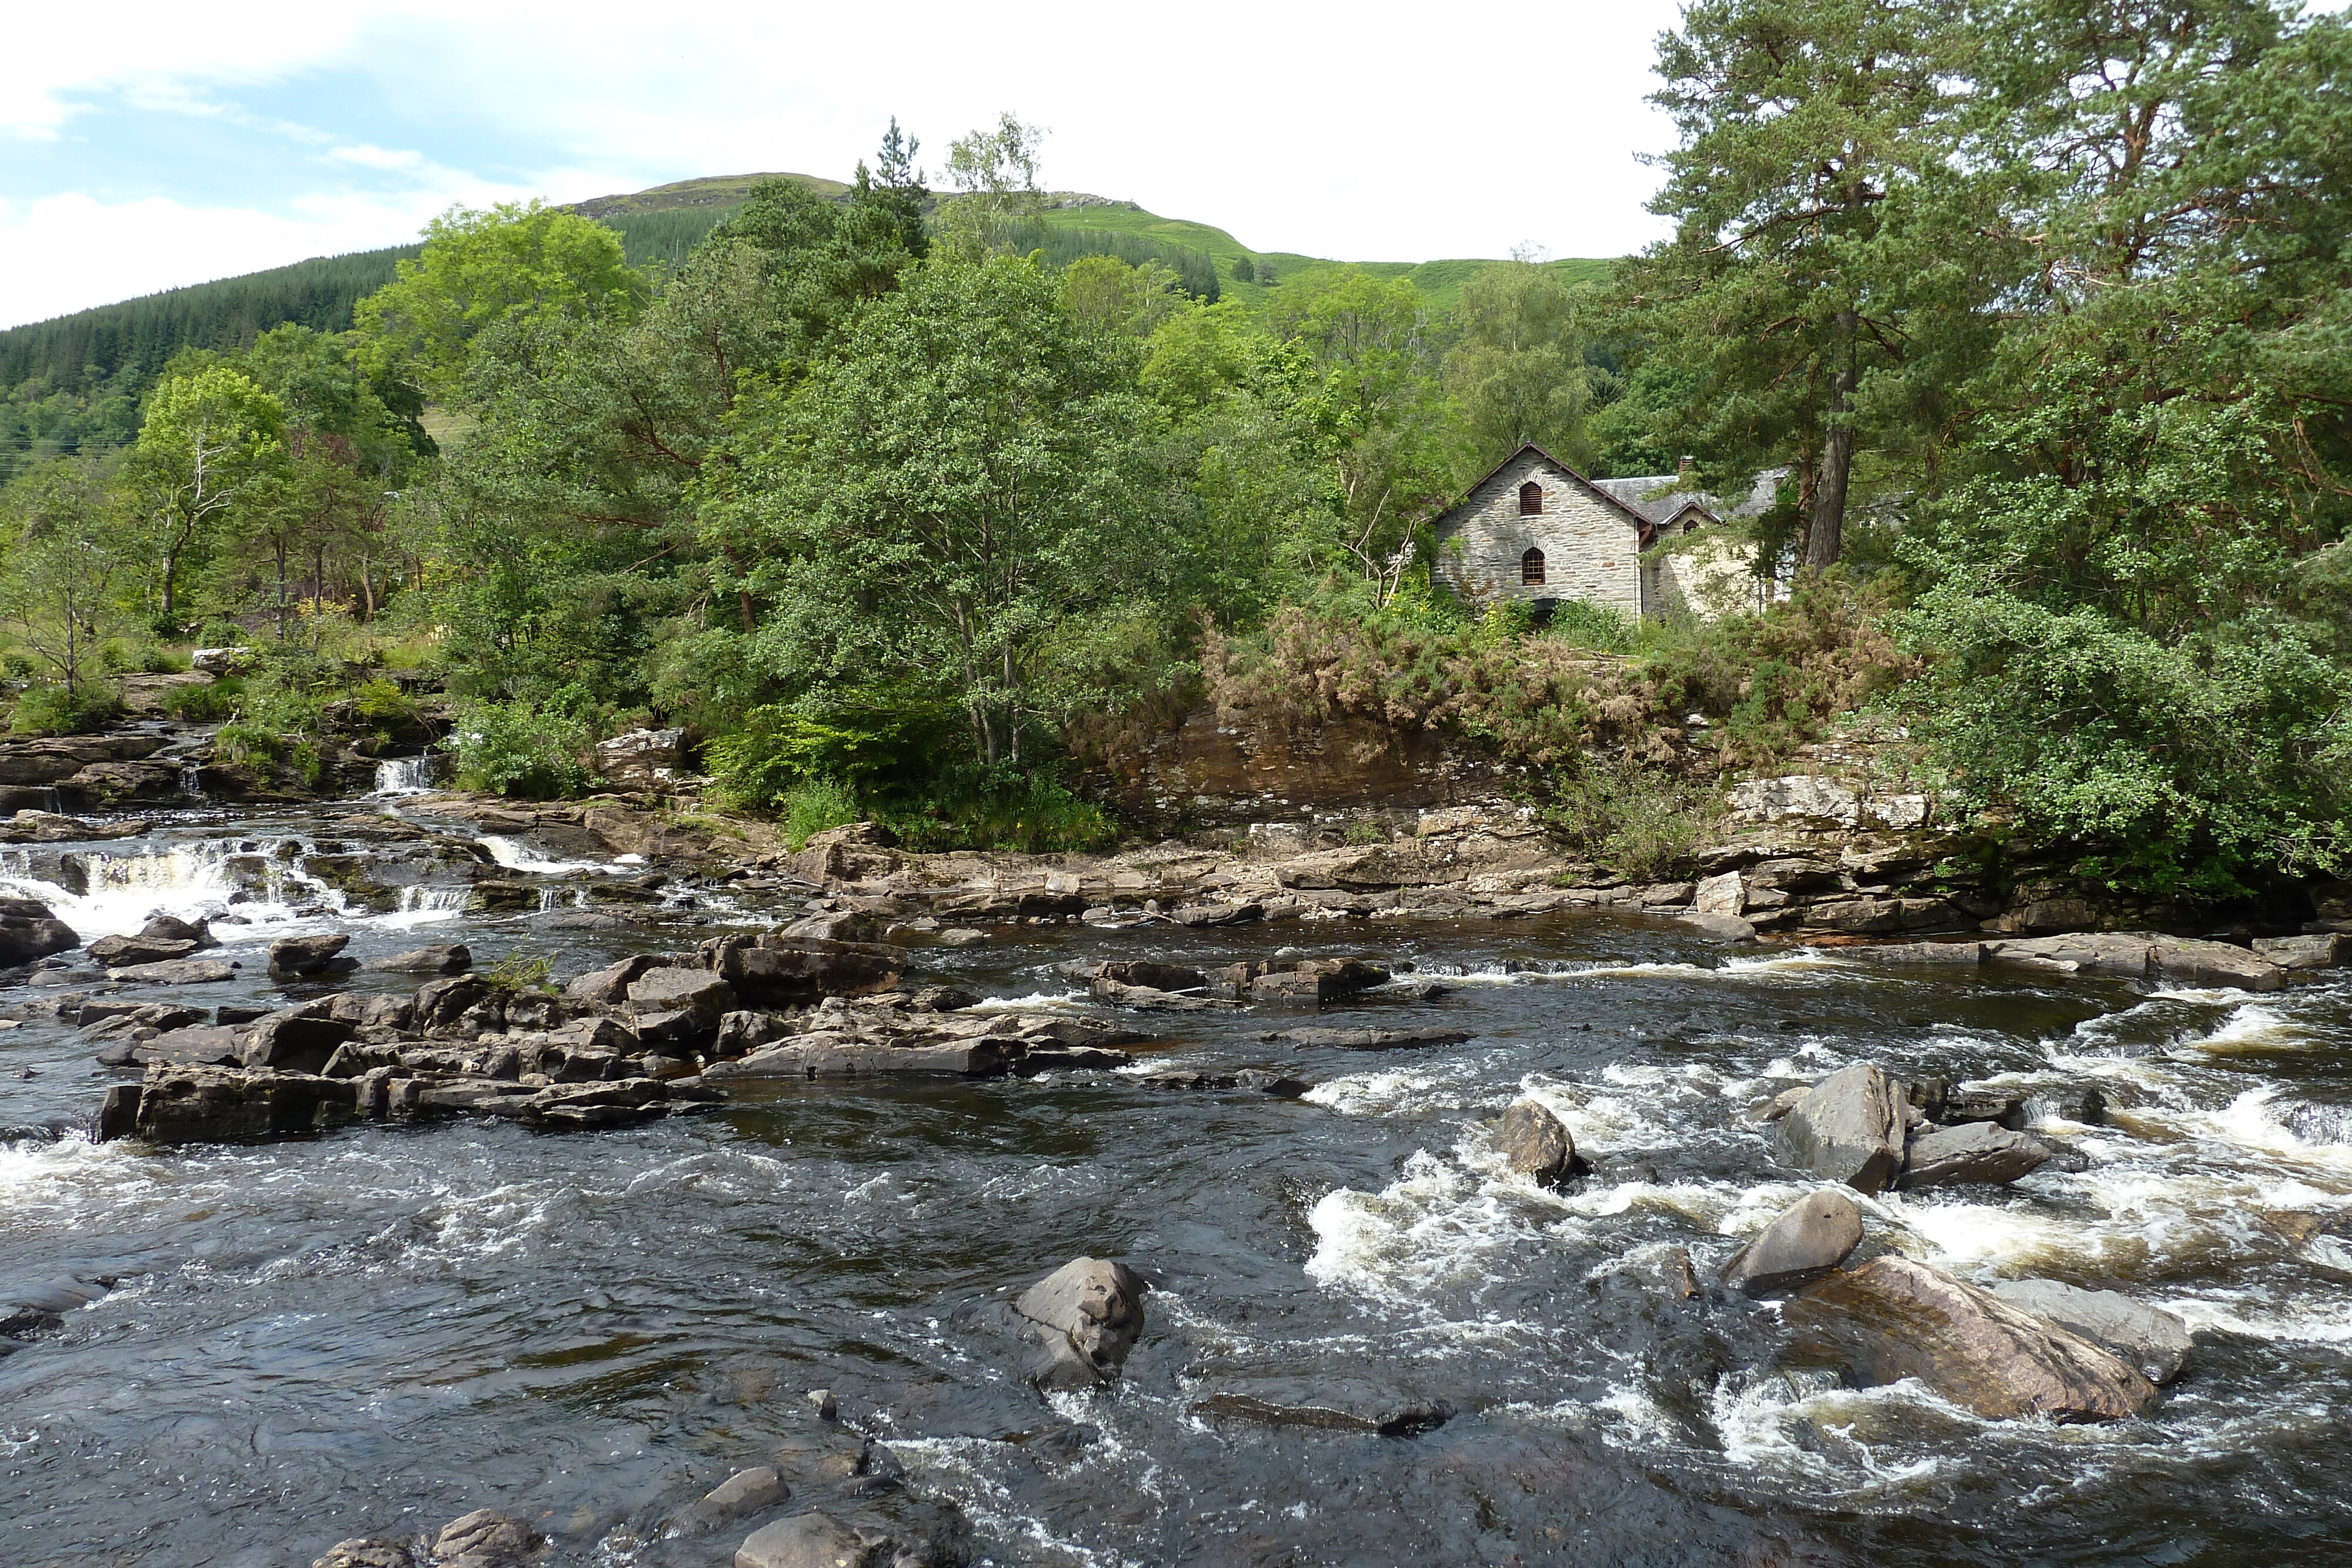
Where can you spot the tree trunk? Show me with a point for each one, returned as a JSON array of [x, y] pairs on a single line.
[[281, 592], [1825, 536]]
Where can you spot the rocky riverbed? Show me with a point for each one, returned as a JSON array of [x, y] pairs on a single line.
[[476, 1183]]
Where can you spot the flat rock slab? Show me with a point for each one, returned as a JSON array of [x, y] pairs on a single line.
[[1892, 1319], [2149, 1338], [1328, 1405], [1367, 1039], [182, 972]]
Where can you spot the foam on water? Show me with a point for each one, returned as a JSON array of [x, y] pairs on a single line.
[[125, 889], [515, 855], [1434, 1227]]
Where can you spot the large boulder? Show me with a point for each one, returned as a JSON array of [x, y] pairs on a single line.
[[1975, 1153], [122, 952], [744, 1493], [1326, 1402], [642, 759], [209, 1104], [1804, 1242], [2316, 950], [1088, 1314], [679, 1003], [2188, 962], [774, 970], [1892, 1319], [28, 931], [2149, 1338], [294, 1041], [1535, 1143], [441, 959], [171, 928], [1848, 1127], [307, 958], [485, 1538]]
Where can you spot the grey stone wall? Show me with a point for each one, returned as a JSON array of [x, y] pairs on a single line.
[[1591, 550]]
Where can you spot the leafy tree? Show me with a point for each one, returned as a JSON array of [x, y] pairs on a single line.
[[962, 474], [1518, 371], [66, 544], [1377, 413], [211, 440], [995, 169], [480, 268], [1802, 123]]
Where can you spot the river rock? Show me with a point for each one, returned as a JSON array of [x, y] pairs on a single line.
[[1804, 1242], [774, 969], [820, 1539], [294, 1041], [118, 1115], [306, 957], [124, 952], [2152, 1340], [1535, 1143], [744, 1493], [1848, 1127], [1088, 1314], [28, 931], [204, 1045], [366, 1551], [1722, 927], [1336, 1404], [1721, 894], [1975, 1153], [442, 958], [210, 1104], [171, 928], [484, 1538], [1202, 915], [1148, 975], [178, 972], [2188, 962], [2081, 1102], [2316, 950], [1964, 1103], [1959, 955], [36, 827], [609, 985], [641, 760], [1892, 1319], [1367, 1039], [679, 1004]]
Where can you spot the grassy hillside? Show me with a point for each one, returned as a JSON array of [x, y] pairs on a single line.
[[75, 382]]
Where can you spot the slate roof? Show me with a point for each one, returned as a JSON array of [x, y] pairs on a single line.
[[1655, 497]]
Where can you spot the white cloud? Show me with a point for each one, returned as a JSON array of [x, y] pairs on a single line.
[[1370, 133], [66, 253]]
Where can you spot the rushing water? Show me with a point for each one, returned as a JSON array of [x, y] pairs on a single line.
[[377, 1330]]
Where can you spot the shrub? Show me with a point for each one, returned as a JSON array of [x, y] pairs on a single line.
[[219, 634], [385, 703], [1600, 627], [515, 748], [814, 805], [985, 809], [205, 704], [521, 971], [244, 744], [1640, 821], [53, 710]]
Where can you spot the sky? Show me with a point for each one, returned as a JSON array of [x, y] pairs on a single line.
[[147, 146]]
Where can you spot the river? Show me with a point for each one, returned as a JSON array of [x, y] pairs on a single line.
[[376, 1330]]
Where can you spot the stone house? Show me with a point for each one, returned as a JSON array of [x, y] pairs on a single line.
[[1536, 529]]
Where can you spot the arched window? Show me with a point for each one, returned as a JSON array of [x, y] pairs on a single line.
[[1531, 568], [1530, 500]]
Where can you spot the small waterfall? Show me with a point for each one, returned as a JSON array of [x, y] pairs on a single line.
[[424, 905], [190, 789], [521, 857], [405, 776], [107, 892]]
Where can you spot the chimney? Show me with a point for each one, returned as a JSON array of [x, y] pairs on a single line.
[[1683, 469]]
